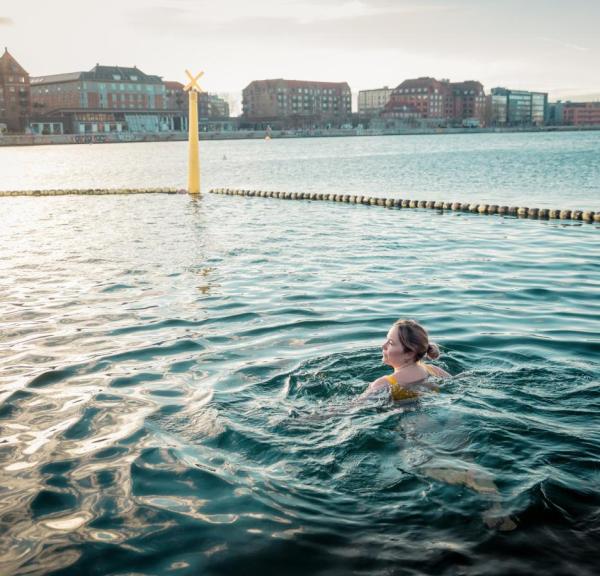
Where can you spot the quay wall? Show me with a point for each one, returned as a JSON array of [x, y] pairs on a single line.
[[108, 138]]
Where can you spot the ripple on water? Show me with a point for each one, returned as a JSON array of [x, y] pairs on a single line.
[[187, 403]]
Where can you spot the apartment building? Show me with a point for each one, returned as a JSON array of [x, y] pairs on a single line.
[[296, 103], [372, 102], [437, 101], [15, 95], [581, 113], [106, 99]]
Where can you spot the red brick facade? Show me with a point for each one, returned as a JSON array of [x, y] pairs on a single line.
[[581, 113], [49, 97], [15, 95], [175, 96], [296, 103], [441, 100]]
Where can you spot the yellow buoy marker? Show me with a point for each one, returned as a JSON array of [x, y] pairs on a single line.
[[193, 89]]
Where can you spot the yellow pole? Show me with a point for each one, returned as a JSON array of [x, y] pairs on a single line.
[[193, 154]]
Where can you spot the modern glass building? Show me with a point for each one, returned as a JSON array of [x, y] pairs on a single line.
[[518, 107], [539, 108]]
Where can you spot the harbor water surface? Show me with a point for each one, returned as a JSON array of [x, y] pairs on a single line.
[[177, 376], [545, 170]]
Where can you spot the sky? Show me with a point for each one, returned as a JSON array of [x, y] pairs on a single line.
[[543, 45]]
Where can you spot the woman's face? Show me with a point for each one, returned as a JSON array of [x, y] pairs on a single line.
[[394, 354]]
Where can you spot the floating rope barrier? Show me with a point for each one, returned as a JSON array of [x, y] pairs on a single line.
[[475, 208], [92, 192]]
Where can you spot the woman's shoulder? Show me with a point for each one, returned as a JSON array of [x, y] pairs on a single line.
[[435, 370]]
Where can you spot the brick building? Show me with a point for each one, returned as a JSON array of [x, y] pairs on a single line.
[[209, 105], [468, 98], [175, 96], [296, 104], [105, 99], [217, 107], [581, 113], [213, 111], [372, 102], [437, 101], [15, 94]]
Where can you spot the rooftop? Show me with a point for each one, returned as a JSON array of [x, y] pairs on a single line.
[[101, 73]]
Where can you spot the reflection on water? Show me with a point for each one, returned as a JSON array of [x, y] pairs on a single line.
[[177, 379]]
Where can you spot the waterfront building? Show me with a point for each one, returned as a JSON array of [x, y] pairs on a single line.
[[372, 102], [105, 99], [437, 102], [539, 108], [554, 114], [217, 107], [518, 107], [15, 94], [213, 111], [209, 105], [581, 113], [214, 114], [283, 104], [498, 108], [468, 103], [175, 96]]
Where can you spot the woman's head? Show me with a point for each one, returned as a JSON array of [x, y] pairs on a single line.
[[407, 341]]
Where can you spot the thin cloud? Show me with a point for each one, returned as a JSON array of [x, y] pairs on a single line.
[[5, 21], [568, 45], [350, 10], [301, 11]]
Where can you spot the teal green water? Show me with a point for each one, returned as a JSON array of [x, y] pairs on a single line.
[[177, 376], [549, 170]]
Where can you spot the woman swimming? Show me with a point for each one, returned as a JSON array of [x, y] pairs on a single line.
[[406, 344]]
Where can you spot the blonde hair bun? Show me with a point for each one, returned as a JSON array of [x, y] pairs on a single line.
[[433, 351]]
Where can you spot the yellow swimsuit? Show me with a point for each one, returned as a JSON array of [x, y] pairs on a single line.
[[398, 392]]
